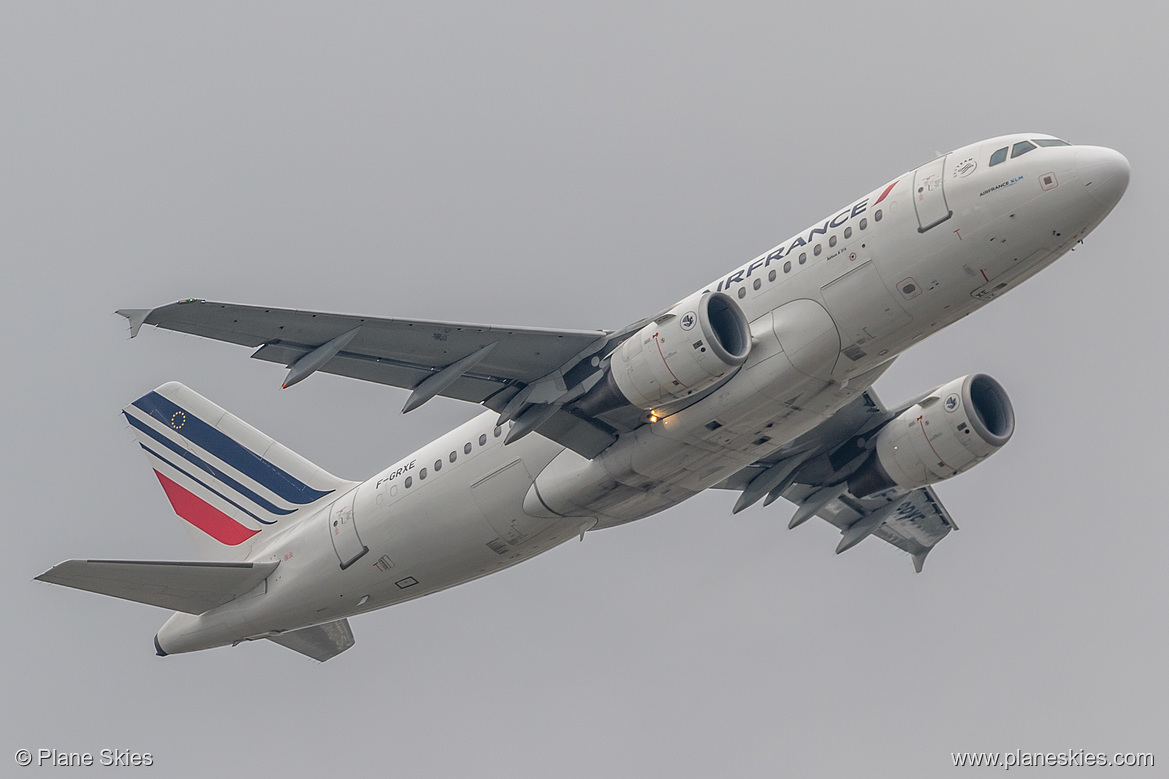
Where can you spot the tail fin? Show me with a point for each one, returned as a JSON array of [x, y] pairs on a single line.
[[229, 481]]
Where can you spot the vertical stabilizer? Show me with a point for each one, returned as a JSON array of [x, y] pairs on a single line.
[[226, 479]]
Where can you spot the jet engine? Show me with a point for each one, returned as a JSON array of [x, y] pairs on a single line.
[[683, 352], [956, 427]]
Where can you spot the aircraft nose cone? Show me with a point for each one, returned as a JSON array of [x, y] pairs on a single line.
[[1104, 173]]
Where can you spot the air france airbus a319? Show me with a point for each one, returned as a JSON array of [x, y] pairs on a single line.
[[758, 383]]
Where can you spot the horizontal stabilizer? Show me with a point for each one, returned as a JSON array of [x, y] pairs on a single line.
[[188, 587], [320, 642]]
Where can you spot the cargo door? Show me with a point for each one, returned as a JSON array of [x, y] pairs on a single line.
[[929, 194], [343, 530]]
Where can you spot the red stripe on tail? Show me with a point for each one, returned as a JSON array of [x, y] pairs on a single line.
[[203, 515]]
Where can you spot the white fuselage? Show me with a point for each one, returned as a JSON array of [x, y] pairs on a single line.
[[829, 309]]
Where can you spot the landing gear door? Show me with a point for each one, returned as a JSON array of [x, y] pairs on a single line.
[[343, 530], [929, 194]]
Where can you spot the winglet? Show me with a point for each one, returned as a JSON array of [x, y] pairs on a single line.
[[136, 316], [919, 560]]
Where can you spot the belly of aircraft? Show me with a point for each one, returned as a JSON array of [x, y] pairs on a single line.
[[465, 522]]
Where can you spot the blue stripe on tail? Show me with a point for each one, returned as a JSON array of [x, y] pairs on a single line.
[[207, 486], [207, 467], [242, 459]]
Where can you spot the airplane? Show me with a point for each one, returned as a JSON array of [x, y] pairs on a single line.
[[759, 383]]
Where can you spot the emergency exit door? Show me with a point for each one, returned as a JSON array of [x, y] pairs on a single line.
[[343, 530]]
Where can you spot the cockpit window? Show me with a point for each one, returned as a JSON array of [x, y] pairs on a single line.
[[1021, 148], [998, 156], [1051, 142]]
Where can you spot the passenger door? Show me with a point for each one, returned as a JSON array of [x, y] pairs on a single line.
[[929, 194], [343, 530]]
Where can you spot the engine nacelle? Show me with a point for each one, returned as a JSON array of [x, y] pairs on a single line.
[[958, 426], [697, 343]]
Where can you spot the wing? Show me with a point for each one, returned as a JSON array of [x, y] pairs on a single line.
[[398, 352], [478, 363], [812, 471]]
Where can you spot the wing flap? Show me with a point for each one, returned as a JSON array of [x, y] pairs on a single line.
[[474, 386], [587, 438], [190, 587], [319, 642]]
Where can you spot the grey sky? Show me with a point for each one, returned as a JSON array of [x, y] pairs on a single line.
[[535, 164]]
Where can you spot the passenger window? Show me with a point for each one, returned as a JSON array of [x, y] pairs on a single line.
[[998, 156], [1021, 148], [1051, 142], [437, 466], [816, 250], [742, 292], [864, 223], [498, 430], [422, 474], [771, 275], [847, 233], [453, 456], [832, 241], [787, 267], [467, 448], [877, 216], [803, 257], [758, 283], [483, 439], [409, 482]]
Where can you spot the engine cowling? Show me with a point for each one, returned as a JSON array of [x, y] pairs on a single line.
[[698, 342], [958, 426]]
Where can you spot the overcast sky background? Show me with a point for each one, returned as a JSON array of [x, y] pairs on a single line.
[[545, 165]]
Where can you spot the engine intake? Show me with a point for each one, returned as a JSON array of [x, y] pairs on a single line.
[[956, 427], [698, 342], [684, 351]]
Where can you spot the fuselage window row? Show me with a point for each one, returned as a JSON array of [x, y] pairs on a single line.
[[817, 250], [453, 456]]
